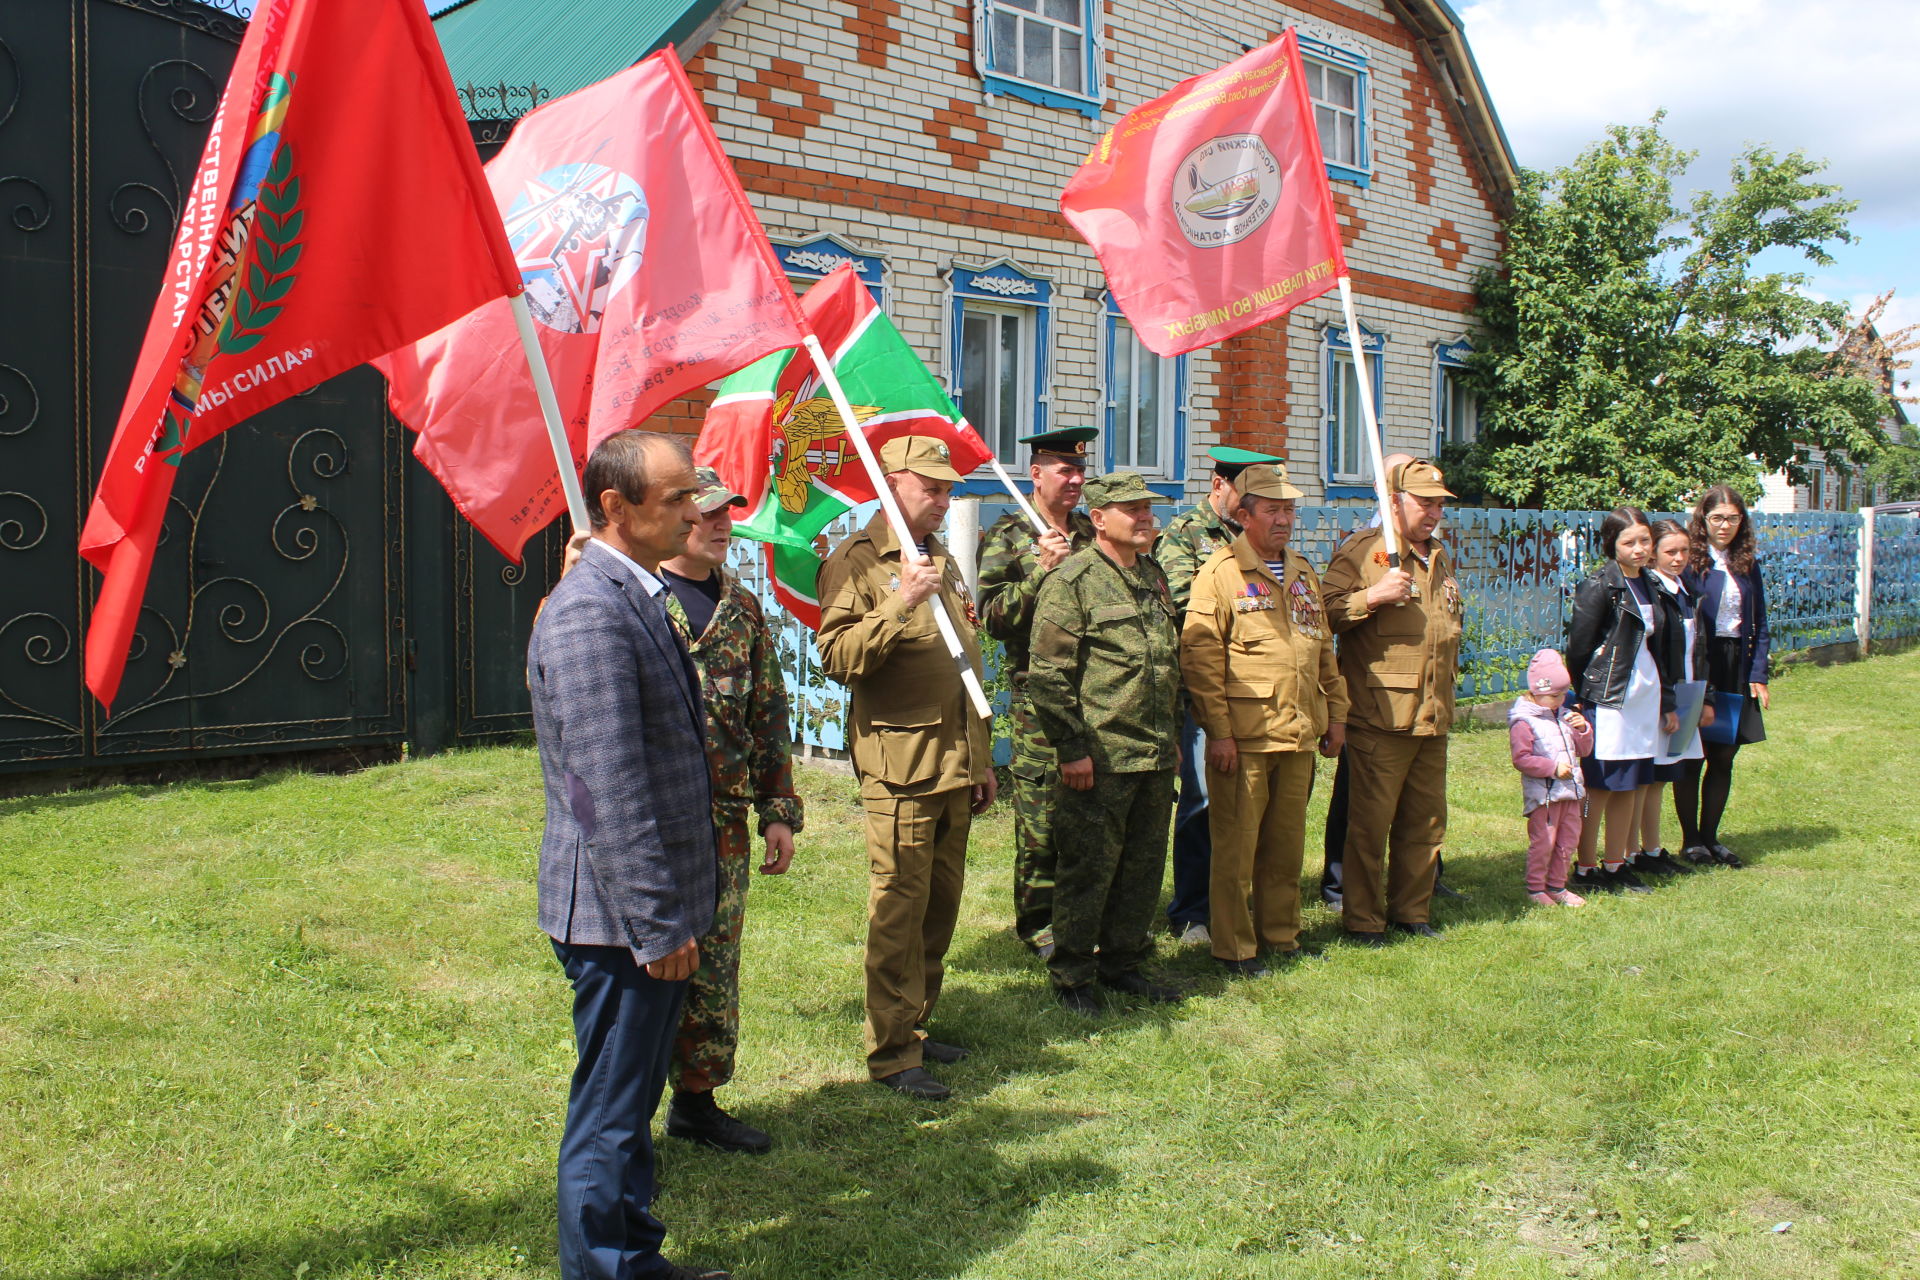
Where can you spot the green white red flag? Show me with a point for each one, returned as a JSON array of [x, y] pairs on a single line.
[[774, 435], [1209, 207], [338, 212]]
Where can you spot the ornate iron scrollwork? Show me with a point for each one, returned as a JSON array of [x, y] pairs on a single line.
[[24, 215], [226, 19], [189, 106]]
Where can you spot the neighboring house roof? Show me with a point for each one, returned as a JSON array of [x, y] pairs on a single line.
[[1437, 29], [508, 56]]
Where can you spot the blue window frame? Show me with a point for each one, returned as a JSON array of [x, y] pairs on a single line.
[[1456, 408], [1000, 320], [808, 260], [1044, 51], [1337, 81], [1345, 462], [1145, 417]]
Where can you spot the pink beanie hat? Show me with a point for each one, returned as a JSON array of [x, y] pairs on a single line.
[[1547, 673]]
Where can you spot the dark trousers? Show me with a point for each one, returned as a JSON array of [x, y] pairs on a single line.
[[623, 1026], [1192, 834]]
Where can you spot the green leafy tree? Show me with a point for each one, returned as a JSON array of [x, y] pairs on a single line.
[[1898, 468], [1632, 353]]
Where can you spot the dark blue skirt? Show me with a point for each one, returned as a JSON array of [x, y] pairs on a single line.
[[1616, 775]]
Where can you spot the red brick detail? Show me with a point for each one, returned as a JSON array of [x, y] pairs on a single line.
[[683, 416], [958, 117], [1251, 388], [1448, 244], [786, 120], [1421, 107], [871, 23], [1351, 223]]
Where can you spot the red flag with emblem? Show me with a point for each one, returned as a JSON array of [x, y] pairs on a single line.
[[327, 224], [1209, 207], [646, 272]]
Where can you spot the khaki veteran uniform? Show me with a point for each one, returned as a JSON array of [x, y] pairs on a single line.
[[918, 749], [1257, 654], [1105, 684], [1010, 577], [1400, 663]]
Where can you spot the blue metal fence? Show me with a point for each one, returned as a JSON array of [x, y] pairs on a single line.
[[1517, 570]]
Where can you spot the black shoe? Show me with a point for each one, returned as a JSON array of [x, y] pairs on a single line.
[[1245, 968], [1587, 881], [1649, 864], [1625, 878], [675, 1271], [1698, 855], [1673, 865], [1133, 984], [696, 1117], [1080, 1000], [1283, 959], [1440, 890], [1725, 856], [916, 1083], [935, 1051], [1419, 929], [1360, 939]]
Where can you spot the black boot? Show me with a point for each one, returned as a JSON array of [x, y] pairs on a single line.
[[696, 1117]]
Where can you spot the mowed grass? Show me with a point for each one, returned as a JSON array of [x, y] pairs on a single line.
[[303, 1027]]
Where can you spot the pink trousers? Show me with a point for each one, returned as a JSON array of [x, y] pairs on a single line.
[[1553, 830]]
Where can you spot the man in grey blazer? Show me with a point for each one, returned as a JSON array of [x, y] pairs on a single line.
[[627, 864]]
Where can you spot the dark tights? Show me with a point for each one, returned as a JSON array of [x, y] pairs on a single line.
[[1700, 801]]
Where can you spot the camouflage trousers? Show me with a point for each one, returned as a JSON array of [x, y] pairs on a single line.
[[1035, 775], [1111, 843], [703, 1049]]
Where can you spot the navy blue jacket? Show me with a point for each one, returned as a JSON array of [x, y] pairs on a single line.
[[1753, 614]]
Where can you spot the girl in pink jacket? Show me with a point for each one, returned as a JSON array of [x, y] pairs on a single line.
[[1548, 738]]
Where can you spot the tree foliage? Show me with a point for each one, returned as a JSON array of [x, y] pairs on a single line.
[[1631, 352]]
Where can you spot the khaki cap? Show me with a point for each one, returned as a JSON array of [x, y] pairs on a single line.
[[922, 455], [1420, 478], [1115, 486], [713, 492], [1263, 480]]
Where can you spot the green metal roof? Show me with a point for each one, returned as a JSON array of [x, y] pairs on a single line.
[[537, 50]]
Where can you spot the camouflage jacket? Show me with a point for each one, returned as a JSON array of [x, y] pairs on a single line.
[[1189, 541], [1105, 674], [1010, 577], [749, 748]]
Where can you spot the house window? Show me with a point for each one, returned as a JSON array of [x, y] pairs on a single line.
[[1456, 407], [1045, 51], [1146, 410], [1348, 463], [1337, 84], [808, 261], [997, 353]]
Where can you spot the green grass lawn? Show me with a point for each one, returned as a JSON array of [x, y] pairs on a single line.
[[303, 1027]]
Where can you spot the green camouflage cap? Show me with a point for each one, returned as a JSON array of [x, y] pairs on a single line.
[[1115, 486], [713, 494]]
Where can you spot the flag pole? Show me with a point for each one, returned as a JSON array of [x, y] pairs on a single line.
[[864, 448], [1026, 508], [550, 411], [1361, 379]]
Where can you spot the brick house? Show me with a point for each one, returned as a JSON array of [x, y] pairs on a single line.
[[1834, 481], [928, 140]]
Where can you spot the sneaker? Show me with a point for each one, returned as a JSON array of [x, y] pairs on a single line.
[[1134, 984], [1725, 856], [1566, 898], [1673, 865], [696, 1117], [1245, 969], [1196, 935], [1541, 899], [1647, 863], [1592, 880], [1623, 877]]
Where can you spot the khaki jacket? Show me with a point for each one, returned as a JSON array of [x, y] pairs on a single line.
[[1258, 654], [911, 729], [1401, 662]]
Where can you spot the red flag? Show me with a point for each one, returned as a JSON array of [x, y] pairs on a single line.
[[339, 211], [646, 271], [1209, 207]]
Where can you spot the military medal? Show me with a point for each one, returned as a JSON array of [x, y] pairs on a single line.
[[1306, 609], [1452, 596]]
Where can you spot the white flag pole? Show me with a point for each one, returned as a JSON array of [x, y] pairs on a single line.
[[864, 448], [1364, 381], [550, 411], [1026, 508]]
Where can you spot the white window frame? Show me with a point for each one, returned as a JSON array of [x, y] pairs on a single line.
[[1336, 358], [1003, 437], [998, 78], [1123, 341], [1326, 52], [1449, 369]]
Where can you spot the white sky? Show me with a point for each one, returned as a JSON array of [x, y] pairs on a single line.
[[1832, 79]]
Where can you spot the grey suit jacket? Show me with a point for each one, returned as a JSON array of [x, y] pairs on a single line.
[[628, 859]]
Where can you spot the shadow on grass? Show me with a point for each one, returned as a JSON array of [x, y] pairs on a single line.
[[85, 797], [1758, 846]]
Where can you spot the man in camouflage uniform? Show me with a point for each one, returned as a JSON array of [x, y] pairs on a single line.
[[1105, 684], [1014, 560], [750, 756], [1189, 542]]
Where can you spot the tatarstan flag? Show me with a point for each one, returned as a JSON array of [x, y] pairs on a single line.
[[1209, 207], [338, 212], [773, 432]]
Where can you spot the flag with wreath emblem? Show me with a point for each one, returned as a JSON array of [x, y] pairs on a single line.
[[774, 435], [327, 224]]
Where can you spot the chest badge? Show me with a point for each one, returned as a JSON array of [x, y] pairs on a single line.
[[1304, 605]]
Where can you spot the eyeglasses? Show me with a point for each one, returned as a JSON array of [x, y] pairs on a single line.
[[1723, 519]]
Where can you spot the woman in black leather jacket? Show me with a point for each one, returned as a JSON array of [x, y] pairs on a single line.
[[1625, 659]]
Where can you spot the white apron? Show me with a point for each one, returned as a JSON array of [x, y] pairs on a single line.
[[1631, 731], [1689, 625]]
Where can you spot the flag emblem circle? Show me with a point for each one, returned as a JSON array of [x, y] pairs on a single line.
[[578, 233], [1225, 190]]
